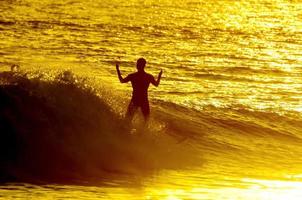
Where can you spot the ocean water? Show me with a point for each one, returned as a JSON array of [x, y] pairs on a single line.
[[226, 119]]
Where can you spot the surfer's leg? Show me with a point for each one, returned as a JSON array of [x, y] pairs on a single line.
[[130, 111], [146, 111]]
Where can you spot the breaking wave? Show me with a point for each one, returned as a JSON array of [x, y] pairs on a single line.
[[61, 129]]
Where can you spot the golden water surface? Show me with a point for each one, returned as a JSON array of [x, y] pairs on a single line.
[[236, 62]]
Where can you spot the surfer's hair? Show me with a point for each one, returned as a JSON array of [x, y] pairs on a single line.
[[141, 63]]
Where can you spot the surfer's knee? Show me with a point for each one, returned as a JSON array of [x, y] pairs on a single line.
[[129, 115]]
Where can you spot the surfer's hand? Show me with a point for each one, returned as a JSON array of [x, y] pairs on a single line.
[[160, 73]]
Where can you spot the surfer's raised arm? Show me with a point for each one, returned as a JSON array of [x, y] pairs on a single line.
[[156, 82], [122, 80]]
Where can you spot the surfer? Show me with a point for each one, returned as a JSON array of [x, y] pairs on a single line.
[[140, 82]]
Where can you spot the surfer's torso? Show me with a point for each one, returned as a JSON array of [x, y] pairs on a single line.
[[140, 83]]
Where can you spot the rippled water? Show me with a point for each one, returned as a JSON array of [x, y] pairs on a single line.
[[221, 53], [237, 62]]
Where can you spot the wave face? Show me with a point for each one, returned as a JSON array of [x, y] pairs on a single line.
[[63, 130]]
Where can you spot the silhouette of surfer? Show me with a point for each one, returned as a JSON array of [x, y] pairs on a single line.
[[140, 81]]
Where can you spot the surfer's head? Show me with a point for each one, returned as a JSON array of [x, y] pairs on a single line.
[[140, 64]]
